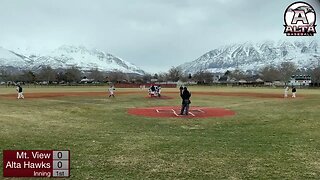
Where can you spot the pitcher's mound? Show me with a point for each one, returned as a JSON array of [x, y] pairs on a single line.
[[174, 112]]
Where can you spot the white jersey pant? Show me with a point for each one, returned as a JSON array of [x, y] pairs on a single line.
[[20, 95]]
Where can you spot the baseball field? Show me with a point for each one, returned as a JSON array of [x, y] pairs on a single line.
[[264, 137]]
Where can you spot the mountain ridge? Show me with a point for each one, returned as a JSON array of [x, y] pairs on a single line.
[[250, 56], [66, 56]]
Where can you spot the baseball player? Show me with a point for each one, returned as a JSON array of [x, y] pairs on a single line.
[[111, 89], [20, 92], [294, 90], [159, 90], [286, 90], [152, 90], [185, 95]]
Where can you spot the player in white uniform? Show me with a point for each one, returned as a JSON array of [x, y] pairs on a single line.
[[286, 90], [111, 89], [159, 90], [20, 92]]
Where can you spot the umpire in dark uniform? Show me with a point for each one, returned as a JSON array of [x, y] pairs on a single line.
[[185, 95]]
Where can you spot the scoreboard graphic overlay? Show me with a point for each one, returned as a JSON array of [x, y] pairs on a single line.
[[36, 163]]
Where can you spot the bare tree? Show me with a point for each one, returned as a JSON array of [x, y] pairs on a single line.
[[28, 76], [270, 73], [286, 69], [175, 74], [61, 76], [96, 75], [116, 76], [203, 77], [5, 75], [162, 77], [238, 74], [315, 75], [155, 76], [147, 78], [47, 74], [134, 78], [73, 74], [184, 78]]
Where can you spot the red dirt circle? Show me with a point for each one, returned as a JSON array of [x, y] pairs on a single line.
[[174, 111]]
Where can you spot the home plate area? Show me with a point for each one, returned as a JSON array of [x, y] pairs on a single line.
[[174, 112]]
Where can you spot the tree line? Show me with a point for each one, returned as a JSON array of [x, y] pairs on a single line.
[[49, 75], [285, 70], [269, 73]]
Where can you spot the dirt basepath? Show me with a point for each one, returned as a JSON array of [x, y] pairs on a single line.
[[66, 94], [90, 94], [241, 94]]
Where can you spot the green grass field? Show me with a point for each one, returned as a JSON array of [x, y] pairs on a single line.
[[267, 139]]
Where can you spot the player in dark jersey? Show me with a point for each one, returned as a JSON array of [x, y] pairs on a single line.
[[294, 91], [185, 95], [20, 92]]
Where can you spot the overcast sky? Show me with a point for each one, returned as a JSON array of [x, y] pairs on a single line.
[[153, 34]]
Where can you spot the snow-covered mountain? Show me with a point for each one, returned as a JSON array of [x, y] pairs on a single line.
[[250, 56], [10, 58], [67, 56]]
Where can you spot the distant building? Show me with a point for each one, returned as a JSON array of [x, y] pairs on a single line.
[[154, 80], [242, 81], [224, 79], [259, 80], [300, 80], [86, 80], [216, 76], [278, 83]]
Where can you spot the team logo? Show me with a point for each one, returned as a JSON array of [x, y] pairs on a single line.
[[300, 20]]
